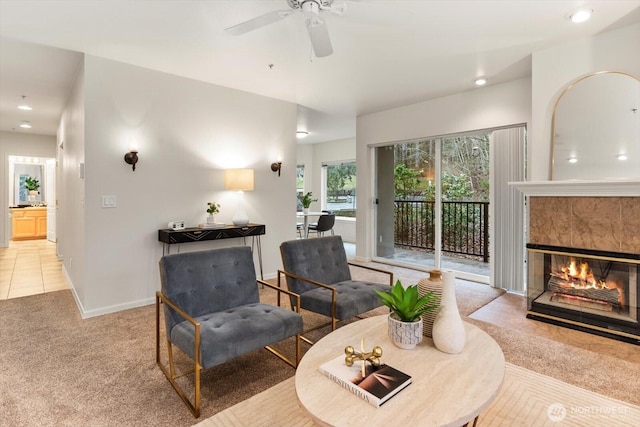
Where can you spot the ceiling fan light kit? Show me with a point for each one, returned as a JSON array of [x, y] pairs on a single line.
[[316, 26]]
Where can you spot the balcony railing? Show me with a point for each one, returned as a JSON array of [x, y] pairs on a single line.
[[465, 226]]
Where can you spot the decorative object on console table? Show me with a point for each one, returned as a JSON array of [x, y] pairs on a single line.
[[405, 320], [212, 209], [448, 329], [378, 385], [431, 284], [239, 180], [212, 225]]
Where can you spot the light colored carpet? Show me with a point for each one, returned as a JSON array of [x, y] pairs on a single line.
[[57, 369], [526, 399]]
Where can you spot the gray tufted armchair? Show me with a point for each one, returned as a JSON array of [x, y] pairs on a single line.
[[213, 314], [318, 271]]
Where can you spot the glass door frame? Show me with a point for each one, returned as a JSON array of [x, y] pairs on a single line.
[[437, 253]]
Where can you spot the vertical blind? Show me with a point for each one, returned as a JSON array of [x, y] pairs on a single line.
[[507, 209]]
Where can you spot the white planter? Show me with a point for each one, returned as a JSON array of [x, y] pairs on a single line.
[[305, 210], [405, 335], [448, 329], [211, 219]]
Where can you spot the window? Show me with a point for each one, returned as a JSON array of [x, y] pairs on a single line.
[[299, 185], [339, 194]]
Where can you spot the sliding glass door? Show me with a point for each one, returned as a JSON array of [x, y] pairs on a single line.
[[433, 202]]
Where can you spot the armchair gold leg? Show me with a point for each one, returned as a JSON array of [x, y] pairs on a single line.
[[333, 323], [170, 374], [288, 361]]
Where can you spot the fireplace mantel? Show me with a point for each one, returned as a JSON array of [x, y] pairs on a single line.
[[580, 188]]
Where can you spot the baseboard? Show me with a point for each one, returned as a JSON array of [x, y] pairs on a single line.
[[85, 314]]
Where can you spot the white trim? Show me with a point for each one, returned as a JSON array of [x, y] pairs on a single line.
[[578, 188], [116, 308], [103, 310]]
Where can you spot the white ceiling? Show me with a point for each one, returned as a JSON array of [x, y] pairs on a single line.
[[386, 53]]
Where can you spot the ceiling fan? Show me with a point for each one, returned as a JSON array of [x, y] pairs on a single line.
[[311, 9]]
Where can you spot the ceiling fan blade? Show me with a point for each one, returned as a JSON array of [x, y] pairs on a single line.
[[319, 36], [260, 21]]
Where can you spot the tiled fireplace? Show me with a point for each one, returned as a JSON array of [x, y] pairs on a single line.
[[583, 258]]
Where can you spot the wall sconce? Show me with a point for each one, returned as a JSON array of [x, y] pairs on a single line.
[[131, 158], [276, 166]]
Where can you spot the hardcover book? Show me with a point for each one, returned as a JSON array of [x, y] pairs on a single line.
[[378, 385]]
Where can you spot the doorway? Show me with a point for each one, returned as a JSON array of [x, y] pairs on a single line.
[[32, 184]]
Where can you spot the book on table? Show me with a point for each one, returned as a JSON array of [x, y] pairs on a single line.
[[378, 385], [212, 225]]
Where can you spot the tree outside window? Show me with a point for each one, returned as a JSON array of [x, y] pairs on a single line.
[[299, 185], [341, 188]]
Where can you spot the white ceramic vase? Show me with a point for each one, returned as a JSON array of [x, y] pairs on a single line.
[[405, 335], [305, 210], [211, 219], [448, 328]]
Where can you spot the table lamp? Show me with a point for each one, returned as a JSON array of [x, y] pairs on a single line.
[[239, 180]]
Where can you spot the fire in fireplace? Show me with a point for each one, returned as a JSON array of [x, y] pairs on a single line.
[[594, 291], [573, 282]]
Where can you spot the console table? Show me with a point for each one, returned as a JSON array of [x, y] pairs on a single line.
[[195, 234]]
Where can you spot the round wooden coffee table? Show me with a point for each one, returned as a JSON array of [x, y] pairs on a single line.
[[447, 389]]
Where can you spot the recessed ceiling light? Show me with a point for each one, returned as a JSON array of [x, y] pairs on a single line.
[[26, 125], [480, 81], [302, 134], [580, 15], [24, 106], [622, 157], [573, 160]]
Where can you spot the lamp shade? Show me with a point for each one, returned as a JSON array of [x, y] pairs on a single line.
[[238, 179]]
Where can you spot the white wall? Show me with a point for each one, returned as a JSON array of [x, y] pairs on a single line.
[[488, 107], [555, 68], [18, 144], [70, 217], [188, 132]]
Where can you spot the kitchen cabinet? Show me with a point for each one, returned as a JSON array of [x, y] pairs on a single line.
[[29, 223]]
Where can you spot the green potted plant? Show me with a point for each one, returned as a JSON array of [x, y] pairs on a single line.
[[32, 184], [407, 308], [306, 200], [212, 209]]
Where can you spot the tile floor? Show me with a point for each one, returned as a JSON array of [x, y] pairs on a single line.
[[30, 267]]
